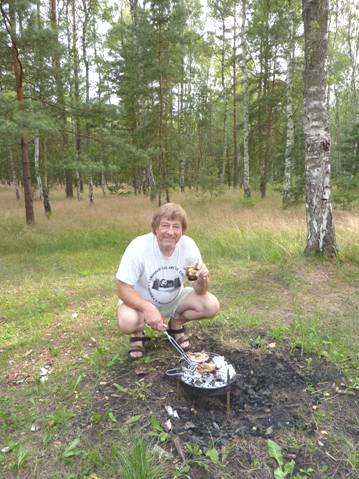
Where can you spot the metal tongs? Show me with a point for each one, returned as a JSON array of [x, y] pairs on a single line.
[[180, 350]]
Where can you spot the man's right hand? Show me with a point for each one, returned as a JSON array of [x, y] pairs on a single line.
[[153, 317]]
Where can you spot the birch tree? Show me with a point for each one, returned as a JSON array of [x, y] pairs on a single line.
[[246, 186], [288, 155], [234, 99], [320, 227]]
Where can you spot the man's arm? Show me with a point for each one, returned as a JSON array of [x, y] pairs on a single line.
[[134, 300]]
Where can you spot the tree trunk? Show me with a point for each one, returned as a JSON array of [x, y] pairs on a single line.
[[103, 181], [267, 112], [91, 200], [246, 186], [181, 127], [161, 122], [10, 25], [288, 156], [37, 165], [76, 97], [234, 101], [45, 187], [84, 40], [14, 175], [225, 99], [60, 97], [320, 228]]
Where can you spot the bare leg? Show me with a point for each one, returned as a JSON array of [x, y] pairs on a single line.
[[194, 307], [131, 322]]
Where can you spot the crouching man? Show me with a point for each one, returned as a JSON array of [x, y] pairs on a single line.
[[151, 278]]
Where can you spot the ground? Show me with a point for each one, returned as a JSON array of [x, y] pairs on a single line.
[[288, 324], [277, 394]]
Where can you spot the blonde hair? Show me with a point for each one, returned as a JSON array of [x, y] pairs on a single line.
[[170, 211]]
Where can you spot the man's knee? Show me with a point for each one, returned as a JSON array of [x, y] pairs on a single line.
[[128, 319], [212, 305]]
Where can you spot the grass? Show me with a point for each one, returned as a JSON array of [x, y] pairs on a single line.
[[57, 310]]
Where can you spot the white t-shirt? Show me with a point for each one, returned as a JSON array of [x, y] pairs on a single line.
[[156, 277]]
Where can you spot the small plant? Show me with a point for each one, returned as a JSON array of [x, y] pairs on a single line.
[[59, 417], [194, 449], [159, 431], [284, 469], [138, 391], [247, 202], [213, 455], [139, 461], [22, 456], [279, 333], [72, 449]]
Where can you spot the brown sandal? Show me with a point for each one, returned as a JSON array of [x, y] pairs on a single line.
[[138, 348], [182, 339]]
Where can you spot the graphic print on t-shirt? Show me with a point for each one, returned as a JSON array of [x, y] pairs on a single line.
[[165, 283]]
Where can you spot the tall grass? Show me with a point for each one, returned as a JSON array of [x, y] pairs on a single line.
[[262, 230], [137, 461]]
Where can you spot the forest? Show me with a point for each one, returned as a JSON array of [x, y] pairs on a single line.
[[154, 97], [246, 113]]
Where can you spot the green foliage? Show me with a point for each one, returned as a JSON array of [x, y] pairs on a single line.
[[162, 435], [60, 417], [346, 191], [137, 391], [72, 450], [213, 455], [137, 461], [284, 469]]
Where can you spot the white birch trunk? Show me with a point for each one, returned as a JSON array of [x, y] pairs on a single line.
[[225, 101], [320, 227], [246, 186], [288, 155], [103, 182], [182, 160], [234, 101]]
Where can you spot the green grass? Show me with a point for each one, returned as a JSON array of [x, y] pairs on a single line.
[[57, 308]]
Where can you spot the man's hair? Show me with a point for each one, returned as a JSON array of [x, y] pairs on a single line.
[[172, 212]]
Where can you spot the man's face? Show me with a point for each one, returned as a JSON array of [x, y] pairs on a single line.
[[168, 234]]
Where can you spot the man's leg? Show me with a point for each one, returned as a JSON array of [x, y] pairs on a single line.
[[194, 306], [131, 322]]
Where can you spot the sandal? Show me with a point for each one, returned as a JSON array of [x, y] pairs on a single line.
[[182, 339], [138, 348]]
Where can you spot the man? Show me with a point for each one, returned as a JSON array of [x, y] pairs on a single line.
[[151, 277]]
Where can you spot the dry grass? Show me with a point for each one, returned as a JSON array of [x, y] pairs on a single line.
[[136, 212], [208, 214]]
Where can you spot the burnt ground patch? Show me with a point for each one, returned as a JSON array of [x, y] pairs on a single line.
[[277, 394]]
